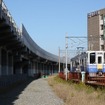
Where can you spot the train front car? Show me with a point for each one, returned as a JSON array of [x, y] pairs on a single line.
[[95, 63]]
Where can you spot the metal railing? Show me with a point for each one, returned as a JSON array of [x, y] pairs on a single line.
[[8, 14]]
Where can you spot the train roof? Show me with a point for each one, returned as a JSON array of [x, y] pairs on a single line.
[[84, 54], [79, 56]]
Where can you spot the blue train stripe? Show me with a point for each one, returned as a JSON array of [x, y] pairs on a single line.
[[93, 68]]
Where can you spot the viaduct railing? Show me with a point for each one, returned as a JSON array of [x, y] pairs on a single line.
[[5, 12]]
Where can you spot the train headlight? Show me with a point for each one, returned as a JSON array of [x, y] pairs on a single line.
[[100, 73]]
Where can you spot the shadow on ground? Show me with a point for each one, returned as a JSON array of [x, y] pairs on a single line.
[[8, 97]]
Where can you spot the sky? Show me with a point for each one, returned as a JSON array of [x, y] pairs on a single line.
[[49, 21]]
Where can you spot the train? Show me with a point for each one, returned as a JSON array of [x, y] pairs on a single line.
[[92, 62]]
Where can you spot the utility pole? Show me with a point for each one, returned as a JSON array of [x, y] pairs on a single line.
[[66, 48], [59, 59]]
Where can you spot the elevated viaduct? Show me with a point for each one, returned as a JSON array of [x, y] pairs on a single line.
[[19, 54]]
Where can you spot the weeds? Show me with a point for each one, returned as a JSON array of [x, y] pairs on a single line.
[[77, 94]]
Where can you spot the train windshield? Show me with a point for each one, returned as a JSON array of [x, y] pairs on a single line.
[[99, 59], [104, 57], [92, 58]]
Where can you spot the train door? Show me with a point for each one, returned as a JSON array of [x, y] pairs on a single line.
[[91, 62], [104, 63], [100, 61]]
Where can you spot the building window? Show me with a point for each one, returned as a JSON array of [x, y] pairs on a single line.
[[102, 47], [101, 16], [102, 37], [102, 27]]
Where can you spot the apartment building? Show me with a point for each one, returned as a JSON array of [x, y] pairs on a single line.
[[96, 30]]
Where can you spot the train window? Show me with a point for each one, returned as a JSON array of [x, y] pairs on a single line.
[[82, 62], [99, 60], [92, 58], [104, 57]]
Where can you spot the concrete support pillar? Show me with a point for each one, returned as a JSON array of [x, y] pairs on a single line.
[[0, 61], [48, 72], [39, 67], [36, 67], [52, 69], [42, 67], [18, 69], [55, 69], [48, 69], [4, 62], [33, 67], [0, 7], [30, 69], [11, 58], [45, 68], [7, 72], [10, 64], [15, 64]]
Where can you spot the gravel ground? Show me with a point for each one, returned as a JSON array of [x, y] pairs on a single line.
[[38, 92]]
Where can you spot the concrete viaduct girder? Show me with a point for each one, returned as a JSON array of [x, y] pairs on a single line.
[[19, 54]]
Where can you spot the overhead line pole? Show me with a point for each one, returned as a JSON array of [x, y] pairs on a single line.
[[66, 48], [59, 60]]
